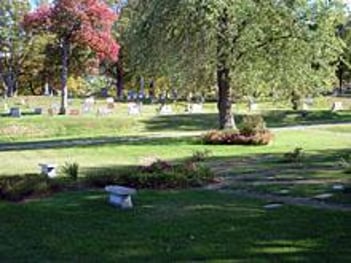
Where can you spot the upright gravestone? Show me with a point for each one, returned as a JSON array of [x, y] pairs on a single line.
[[337, 106], [104, 92], [15, 112]]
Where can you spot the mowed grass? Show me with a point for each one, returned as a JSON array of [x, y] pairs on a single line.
[[170, 226], [125, 153], [32, 127], [166, 226]]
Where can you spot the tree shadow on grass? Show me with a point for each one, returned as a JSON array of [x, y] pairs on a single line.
[[167, 226], [274, 119], [95, 141]]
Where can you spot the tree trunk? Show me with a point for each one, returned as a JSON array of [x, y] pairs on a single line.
[[120, 80], [340, 76], [226, 118], [64, 76]]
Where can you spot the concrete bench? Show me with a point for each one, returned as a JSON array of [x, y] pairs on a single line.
[[120, 196], [48, 169]]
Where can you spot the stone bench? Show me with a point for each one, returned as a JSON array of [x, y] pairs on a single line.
[[120, 196], [48, 169]]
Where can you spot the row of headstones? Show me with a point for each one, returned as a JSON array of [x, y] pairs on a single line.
[[136, 109], [336, 106]]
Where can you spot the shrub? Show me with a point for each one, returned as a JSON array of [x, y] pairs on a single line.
[[200, 156], [296, 156], [71, 170], [233, 137], [345, 163], [157, 166], [252, 125], [166, 176], [17, 188], [100, 181]]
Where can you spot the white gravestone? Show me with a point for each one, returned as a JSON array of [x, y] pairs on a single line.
[[134, 109], [196, 108], [166, 110], [337, 106], [88, 104], [120, 196]]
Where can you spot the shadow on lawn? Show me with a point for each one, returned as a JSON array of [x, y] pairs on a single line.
[[274, 119], [168, 226], [87, 142], [176, 225]]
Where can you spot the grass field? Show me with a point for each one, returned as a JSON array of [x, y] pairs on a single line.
[[185, 225], [170, 226]]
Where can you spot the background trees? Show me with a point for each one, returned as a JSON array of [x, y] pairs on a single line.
[[83, 23], [243, 47], [15, 44]]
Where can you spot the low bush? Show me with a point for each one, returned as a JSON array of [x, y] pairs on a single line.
[[17, 188], [233, 137], [295, 156], [252, 125], [158, 175], [345, 164], [70, 170], [200, 156], [252, 131]]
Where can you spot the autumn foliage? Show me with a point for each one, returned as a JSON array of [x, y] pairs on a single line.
[[84, 22]]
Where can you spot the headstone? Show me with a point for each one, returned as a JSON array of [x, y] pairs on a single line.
[[6, 107], [120, 196], [88, 104], [102, 111], [104, 92], [134, 109], [15, 112], [337, 106], [48, 169], [38, 111], [196, 108], [253, 106], [166, 110], [110, 103], [46, 89], [305, 106]]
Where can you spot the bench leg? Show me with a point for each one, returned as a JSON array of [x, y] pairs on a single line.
[[124, 202]]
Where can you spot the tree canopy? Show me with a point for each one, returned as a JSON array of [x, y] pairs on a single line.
[[86, 23], [242, 46]]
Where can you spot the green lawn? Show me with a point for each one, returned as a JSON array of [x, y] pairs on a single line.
[[187, 225], [170, 226]]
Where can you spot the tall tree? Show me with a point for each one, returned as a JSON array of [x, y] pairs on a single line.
[[86, 23], [14, 43], [242, 45]]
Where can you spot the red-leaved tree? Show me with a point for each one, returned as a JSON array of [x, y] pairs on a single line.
[[87, 23]]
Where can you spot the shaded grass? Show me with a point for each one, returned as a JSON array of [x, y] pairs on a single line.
[[169, 226]]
